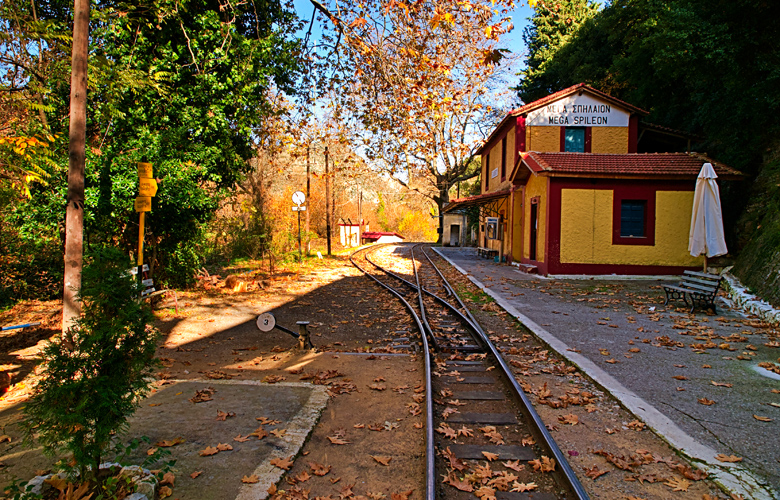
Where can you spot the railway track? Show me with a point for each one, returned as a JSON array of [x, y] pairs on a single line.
[[483, 436]]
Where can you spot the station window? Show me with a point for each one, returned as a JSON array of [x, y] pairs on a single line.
[[632, 218], [574, 140]]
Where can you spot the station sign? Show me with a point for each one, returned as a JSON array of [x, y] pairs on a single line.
[[147, 187], [578, 111], [143, 204], [144, 170]]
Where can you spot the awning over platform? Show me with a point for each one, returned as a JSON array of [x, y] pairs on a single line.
[[491, 203]]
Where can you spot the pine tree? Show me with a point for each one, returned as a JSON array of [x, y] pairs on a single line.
[[554, 23]]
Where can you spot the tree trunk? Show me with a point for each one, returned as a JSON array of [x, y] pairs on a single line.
[[74, 214]]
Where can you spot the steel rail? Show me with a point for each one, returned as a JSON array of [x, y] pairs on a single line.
[[430, 452], [506, 372]]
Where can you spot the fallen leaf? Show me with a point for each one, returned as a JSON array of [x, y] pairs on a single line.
[[223, 415], [169, 442], [282, 463], [762, 419], [594, 472], [279, 432], [453, 480], [224, 447], [337, 440], [377, 387], [543, 464], [210, 450], [401, 496], [570, 419], [196, 474], [521, 487], [706, 402], [678, 484], [241, 439], [680, 377], [514, 465], [151, 451], [486, 493], [302, 477], [727, 458], [168, 478], [721, 384], [250, 479], [267, 421], [382, 459], [319, 469], [490, 456], [164, 492]]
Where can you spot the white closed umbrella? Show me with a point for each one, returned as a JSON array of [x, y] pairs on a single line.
[[707, 236]]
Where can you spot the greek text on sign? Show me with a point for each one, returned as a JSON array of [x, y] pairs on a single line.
[[147, 187], [144, 170], [578, 111], [143, 204]]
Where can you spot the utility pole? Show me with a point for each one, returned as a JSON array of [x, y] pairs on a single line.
[[308, 197], [327, 198], [74, 213]]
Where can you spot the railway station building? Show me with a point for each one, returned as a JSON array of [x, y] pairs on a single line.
[[576, 183]]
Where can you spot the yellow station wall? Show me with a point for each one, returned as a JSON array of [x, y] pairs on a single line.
[[609, 140], [517, 225], [536, 186], [546, 139], [586, 230], [495, 184]]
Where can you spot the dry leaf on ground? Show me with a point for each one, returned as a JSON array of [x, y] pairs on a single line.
[[282, 463], [250, 479], [208, 451], [382, 459]]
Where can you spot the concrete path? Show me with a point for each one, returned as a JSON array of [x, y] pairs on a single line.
[[704, 401]]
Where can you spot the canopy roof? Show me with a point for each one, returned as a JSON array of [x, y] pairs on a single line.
[[630, 165], [492, 202]]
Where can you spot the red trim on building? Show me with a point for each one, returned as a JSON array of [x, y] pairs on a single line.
[[562, 145], [519, 138], [588, 139], [620, 269], [553, 251], [633, 133]]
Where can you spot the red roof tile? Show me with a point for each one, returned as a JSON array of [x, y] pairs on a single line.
[[634, 164], [375, 235]]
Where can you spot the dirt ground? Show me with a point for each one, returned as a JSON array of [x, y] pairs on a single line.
[[367, 443]]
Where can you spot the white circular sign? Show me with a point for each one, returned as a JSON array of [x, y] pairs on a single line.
[[266, 322], [298, 197]]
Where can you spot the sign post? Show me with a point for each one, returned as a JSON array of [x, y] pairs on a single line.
[[299, 198], [147, 188]]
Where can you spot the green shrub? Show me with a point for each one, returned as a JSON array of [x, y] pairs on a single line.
[[94, 378]]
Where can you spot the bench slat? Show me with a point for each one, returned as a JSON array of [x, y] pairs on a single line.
[[697, 287], [712, 284], [703, 275]]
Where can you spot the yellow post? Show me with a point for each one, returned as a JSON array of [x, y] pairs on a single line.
[[141, 218]]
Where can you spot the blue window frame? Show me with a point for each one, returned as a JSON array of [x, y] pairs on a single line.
[[574, 140], [632, 218]]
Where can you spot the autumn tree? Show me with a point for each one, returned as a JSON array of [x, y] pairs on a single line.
[[417, 82]]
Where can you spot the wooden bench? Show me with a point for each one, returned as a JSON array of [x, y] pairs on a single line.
[[487, 253], [701, 288]]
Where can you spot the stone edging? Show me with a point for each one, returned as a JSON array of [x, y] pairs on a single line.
[[749, 302]]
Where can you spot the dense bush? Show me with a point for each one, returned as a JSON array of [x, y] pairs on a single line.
[[95, 375]]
